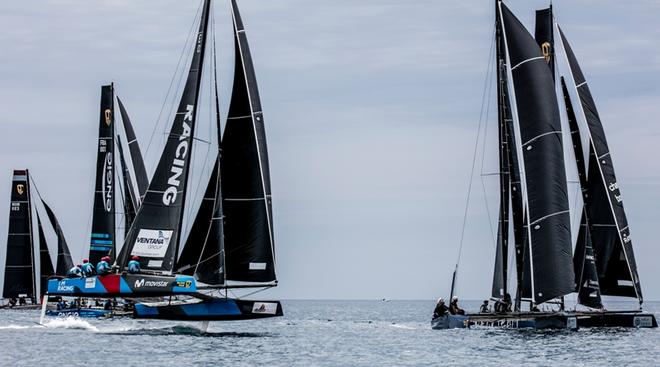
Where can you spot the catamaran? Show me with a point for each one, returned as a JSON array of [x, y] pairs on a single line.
[[21, 269], [230, 245], [534, 196]]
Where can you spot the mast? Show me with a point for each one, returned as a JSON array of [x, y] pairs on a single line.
[[612, 245], [19, 262], [156, 231], [548, 265], [247, 202], [102, 240]]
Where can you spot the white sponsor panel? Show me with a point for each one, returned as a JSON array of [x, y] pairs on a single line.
[[90, 283], [152, 243], [643, 321], [155, 263], [257, 266], [268, 308]]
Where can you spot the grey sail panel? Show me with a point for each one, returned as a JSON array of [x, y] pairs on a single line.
[[551, 258], [156, 230], [134, 149], [64, 261], [615, 258], [102, 241], [584, 262], [19, 262], [45, 262], [129, 198], [245, 175]]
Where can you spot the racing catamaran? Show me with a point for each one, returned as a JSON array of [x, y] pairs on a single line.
[[231, 244], [534, 196]]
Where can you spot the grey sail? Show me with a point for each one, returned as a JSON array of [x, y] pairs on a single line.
[[247, 205], [129, 199], [536, 120], [610, 235], [45, 262], [134, 150], [156, 231], [19, 262], [584, 260]]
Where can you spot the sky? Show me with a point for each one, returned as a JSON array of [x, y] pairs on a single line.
[[372, 108]]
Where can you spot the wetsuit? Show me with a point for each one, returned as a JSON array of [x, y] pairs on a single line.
[[440, 310]]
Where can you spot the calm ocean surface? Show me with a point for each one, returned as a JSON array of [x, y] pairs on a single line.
[[316, 333]]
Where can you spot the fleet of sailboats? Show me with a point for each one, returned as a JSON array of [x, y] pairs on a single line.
[[230, 244]]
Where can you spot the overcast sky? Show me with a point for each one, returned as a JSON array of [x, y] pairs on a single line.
[[371, 112]]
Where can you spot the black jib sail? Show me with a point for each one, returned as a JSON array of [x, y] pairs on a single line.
[[247, 205], [586, 275], [45, 262], [615, 259], [155, 233], [19, 264], [102, 240], [538, 142], [64, 261], [134, 149]]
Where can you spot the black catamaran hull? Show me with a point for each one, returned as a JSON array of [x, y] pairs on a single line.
[[617, 319], [525, 320], [217, 309]]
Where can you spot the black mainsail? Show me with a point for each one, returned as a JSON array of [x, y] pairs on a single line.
[[102, 240], [156, 230], [247, 205], [538, 144], [19, 264], [615, 259], [134, 149]]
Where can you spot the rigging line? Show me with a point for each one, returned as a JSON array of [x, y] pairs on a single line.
[[474, 157], [174, 75]]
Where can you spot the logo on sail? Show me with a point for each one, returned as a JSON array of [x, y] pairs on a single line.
[[152, 243], [107, 181], [20, 188], [546, 48], [170, 194], [108, 116]]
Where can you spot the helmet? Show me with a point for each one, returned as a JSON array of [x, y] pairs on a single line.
[[135, 257], [85, 261], [105, 258], [440, 300], [454, 299]]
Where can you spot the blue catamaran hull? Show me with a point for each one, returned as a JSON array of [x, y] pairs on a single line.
[[123, 286], [217, 309]]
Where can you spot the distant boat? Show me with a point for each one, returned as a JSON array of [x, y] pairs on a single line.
[[534, 195], [230, 245], [21, 271]]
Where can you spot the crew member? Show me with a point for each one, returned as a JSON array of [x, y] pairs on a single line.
[[75, 272], [453, 307], [440, 308], [134, 265], [503, 305], [103, 267], [87, 268], [484, 307]]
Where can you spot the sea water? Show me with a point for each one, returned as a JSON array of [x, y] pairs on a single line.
[[315, 333]]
